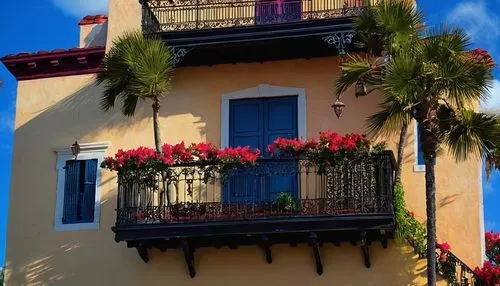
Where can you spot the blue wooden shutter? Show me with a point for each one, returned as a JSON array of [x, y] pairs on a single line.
[[88, 191], [71, 192]]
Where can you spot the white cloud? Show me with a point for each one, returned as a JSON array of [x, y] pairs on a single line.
[[493, 103], [81, 8], [480, 22]]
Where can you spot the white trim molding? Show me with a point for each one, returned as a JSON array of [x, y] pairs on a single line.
[[416, 166], [482, 229], [88, 151], [261, 91]]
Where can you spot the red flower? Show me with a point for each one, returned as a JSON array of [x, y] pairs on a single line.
[[412, 214], [489, 273], [443, 257], [484, 56], [444, 247], [139, 215]]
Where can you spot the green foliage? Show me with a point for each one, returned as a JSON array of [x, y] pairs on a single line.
[[136, 67], [285, 202], [407, 227]]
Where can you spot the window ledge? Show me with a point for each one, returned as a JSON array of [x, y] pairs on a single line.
[[77, 226], [418, 168]]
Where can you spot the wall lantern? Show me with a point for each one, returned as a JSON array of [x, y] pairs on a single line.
[[75, 149], [338, 107], [360, 89]]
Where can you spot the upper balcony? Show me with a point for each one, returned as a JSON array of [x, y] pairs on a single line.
[[251, 30]]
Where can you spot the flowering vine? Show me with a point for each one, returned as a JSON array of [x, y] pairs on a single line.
[[331, 148], [179, 154], [490, 272], [483, 56]]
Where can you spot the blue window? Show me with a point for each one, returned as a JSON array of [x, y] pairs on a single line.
[[79, 191], [420, 153]]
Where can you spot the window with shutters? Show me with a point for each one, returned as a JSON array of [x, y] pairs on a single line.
[[78, 196], [419, 154], [79, 191]]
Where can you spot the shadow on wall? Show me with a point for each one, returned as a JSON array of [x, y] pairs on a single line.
[[97, 36], [79, 115], [395, 266], [37, 254]]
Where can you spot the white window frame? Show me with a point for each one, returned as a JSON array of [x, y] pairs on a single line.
[[262, 91], [416, 166], [88, 151]]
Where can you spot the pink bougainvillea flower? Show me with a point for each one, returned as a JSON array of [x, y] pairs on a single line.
[[444, 247]]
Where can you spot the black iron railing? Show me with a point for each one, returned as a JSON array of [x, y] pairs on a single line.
[[174, 15], [453, 270], [273, 188]]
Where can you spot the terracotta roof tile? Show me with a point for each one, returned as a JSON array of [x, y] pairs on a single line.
[[95, 19], [43, 52]]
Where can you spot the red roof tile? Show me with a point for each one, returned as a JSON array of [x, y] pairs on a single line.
[[58, 62], [48, 53], [96, 19]]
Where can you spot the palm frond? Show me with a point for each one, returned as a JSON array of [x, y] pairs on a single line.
[[354, 69], [469, 133], [395, 111], [388, 26], [460, 79], [403, 75], [463, 81], [136, 66], [442, 43]]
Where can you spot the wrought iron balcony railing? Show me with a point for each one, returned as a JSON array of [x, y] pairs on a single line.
[[275, 188], [174, 15]]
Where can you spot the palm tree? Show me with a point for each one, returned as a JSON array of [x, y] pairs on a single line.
[[136, 67], [436, 82], [382, 31]]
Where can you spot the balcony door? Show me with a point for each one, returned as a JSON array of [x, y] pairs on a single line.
[[257, 123], [277, 11]]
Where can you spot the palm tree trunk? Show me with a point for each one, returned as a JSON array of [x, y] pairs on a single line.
[[156, 123], [401, 149], [430, 194]]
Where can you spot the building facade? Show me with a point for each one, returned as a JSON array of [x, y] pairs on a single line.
[[235, 63]]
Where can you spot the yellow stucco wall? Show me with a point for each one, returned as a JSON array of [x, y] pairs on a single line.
[[53, 112]]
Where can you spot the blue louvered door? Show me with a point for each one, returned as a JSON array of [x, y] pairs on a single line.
[[257, 123]]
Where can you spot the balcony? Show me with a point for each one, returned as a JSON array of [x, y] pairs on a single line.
[[164, 16], [206, 32], [280, 200]]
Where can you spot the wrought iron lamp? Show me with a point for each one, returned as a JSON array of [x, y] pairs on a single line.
[[338, 107], [360, 89], [75, 149]]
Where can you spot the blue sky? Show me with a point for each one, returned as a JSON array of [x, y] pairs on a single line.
[[32, 25]]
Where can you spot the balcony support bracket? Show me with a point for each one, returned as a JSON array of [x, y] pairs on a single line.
[[340, 40], [142, 250], [266, 246], [365, 250], [383, 239], [314, 243], [188, 256]]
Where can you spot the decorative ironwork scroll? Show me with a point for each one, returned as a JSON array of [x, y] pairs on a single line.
[[340, 40], [178, 53]]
